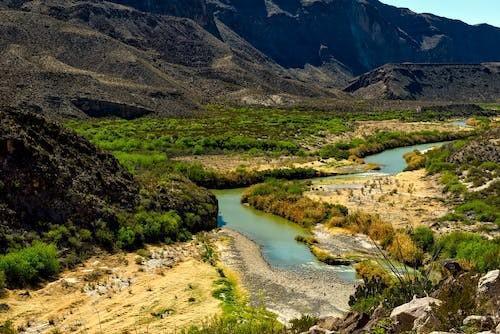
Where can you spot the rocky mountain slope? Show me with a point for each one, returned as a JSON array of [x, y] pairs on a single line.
[[54, 182], [128, 58], [429, 81]]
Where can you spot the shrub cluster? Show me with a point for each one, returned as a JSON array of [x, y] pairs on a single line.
[[285, 199], [30, 265]]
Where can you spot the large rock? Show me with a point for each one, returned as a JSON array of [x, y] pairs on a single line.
[[489, 286], [480, 322], [406, 315]]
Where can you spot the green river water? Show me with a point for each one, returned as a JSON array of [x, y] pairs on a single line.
[[276, 236]]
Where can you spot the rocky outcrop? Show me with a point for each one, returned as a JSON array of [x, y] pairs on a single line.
[[417, 311], [429, 82], [52, 180], [49, 175], [488, 288], [484, 148]]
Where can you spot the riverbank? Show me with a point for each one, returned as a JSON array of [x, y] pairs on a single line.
[[289, 293], [405, 199]]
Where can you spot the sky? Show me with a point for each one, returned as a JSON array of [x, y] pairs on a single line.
[[469, 11]]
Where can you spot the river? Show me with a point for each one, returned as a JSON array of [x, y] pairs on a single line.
[[276, 236]]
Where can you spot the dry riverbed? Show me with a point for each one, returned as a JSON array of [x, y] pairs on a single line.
[[288, 293]]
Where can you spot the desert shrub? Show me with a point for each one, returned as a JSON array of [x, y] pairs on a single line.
[[404, 249], [480, 209], [370, 270], [302, 324], [458, 300], [452, 183], [414, 160], [371, 225], [158, 226], [423, 237], [29, 265], [482, 253], [8, 328]]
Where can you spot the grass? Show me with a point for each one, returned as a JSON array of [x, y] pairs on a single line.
[[237, 316], [481, 253]]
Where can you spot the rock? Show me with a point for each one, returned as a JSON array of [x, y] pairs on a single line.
[[329, 322], [480, 322], [453, 267], [489, 285], [318, 330], [351, 323], [426, 323], [405, 315]]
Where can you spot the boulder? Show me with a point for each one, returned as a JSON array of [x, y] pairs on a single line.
[[405, 315], [480, 322], [453, 267], [489, 285], [318, 330]]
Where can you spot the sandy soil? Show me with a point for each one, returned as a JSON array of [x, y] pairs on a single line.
[[287, 293], [114, 294], [406, 199]]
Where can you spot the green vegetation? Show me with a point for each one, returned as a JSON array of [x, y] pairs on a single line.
[[219, 130], [467, 162], [380, 141], [212, 179], [30, 265], [149, 144], [285, 199], [414, 160], [481, 253]]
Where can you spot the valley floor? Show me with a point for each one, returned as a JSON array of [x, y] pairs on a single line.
[[406, 199]]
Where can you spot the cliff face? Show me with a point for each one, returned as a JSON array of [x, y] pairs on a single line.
[[430, 82], [51, 176], [170, 56], [361, 34]]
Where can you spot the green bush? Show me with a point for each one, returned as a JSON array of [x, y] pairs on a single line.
[[29, 265], [3, 281], [423, 237], [484, 254], [159, 226], [8, 328]]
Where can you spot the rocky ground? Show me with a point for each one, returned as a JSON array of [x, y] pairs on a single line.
[[423, 315], [288, 293], [406, 199], [167, 289]]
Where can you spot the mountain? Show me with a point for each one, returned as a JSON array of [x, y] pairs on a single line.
[[56, 183], [455, 82], [360, 34], [129, 58]]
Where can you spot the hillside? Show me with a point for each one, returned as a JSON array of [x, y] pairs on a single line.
[[96, 58], [58, 188], [122, 59], [457, 82]]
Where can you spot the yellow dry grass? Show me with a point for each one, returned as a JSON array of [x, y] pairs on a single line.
[[160, 300], [406, 199]]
